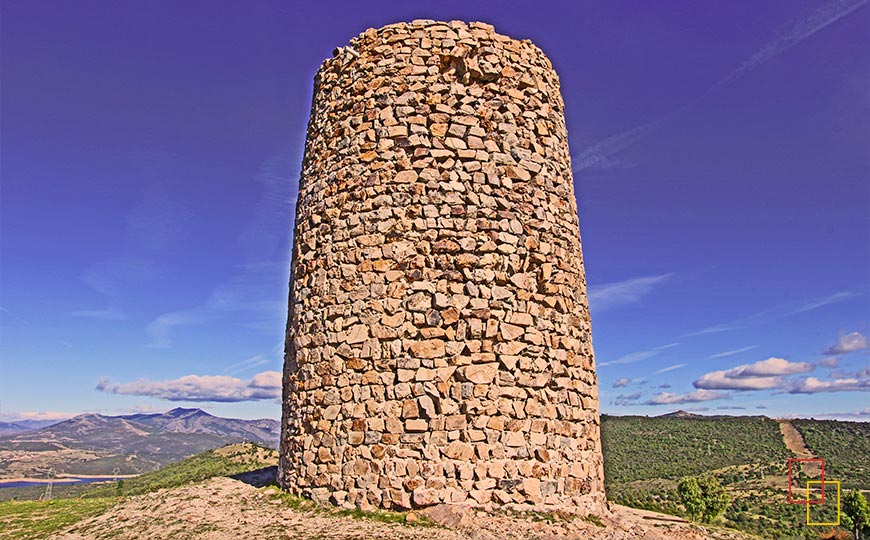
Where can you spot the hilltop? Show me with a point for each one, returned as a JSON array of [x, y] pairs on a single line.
[[644, 459], [211, 496]]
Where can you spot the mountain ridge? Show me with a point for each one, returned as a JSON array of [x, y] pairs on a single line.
[[94, 443]]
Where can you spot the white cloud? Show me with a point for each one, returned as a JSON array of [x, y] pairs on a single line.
[[763, 375], [721, 381], [670, 368], [772, 367], [609, 295], [219, 388], [848, 343], [667, 398], [812, 385], [619, 383]]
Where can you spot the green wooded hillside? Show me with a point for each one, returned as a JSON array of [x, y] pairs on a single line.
[[643, 448]]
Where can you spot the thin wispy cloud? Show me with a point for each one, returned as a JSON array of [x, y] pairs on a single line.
[[14, 316], [160, 329], [248, 296], [249, 293], [620, 383], [609, 295], [829, 362], [623, 400], [638, 356], [793, 33], [152, 228], [732, 353], [776, 313], [670, 368], [108, 314], [605, 153], [245, 365], [824, 301], [38, 415], [266, 233], [667, 398], [217, 388], [850, 415]]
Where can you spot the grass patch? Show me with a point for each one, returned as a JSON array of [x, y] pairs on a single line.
[[34, 520], [301, 504], [593, 519], [374, 515], [226, 461]]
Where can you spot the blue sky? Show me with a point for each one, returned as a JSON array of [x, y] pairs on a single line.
[[151, 150]]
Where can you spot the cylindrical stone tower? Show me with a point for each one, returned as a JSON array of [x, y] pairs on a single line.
[[438, 341]]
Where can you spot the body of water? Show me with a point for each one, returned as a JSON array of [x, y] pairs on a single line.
[[59, 482]]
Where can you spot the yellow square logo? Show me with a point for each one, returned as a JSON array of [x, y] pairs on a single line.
[[822, 483]]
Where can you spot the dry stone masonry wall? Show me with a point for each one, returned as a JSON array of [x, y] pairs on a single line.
[[438, 341]]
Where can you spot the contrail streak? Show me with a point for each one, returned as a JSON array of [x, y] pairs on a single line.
[[599, 155]]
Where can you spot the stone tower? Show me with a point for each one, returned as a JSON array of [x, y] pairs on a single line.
[[438, 340]]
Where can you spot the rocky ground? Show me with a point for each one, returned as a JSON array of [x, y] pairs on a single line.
[[223, 508]]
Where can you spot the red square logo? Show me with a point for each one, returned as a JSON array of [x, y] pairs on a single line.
[[801, 497]]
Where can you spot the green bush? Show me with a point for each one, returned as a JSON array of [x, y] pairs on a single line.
[[703, 497]]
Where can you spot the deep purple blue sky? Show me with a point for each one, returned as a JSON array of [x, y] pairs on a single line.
[[151, 150]]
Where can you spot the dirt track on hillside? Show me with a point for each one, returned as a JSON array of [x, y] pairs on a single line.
[[794, 441]]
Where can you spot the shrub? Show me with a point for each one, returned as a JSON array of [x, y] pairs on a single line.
[[703, 497]]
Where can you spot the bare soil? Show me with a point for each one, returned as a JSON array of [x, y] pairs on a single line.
[[794, 441], [222, 508]]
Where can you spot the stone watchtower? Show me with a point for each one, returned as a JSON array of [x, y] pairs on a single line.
[[438, 341]]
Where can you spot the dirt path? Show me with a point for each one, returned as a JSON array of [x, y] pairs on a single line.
[[794, 441], [228, 509]]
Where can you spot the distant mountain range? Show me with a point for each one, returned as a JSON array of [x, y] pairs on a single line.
[[97, 444], [180, 420], [18, 426]]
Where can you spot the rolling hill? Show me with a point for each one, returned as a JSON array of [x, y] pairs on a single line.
[[645, 457]]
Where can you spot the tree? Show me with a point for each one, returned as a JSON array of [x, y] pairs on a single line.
[[856, 513], [703, 497], [714, 497], [690, 496]]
